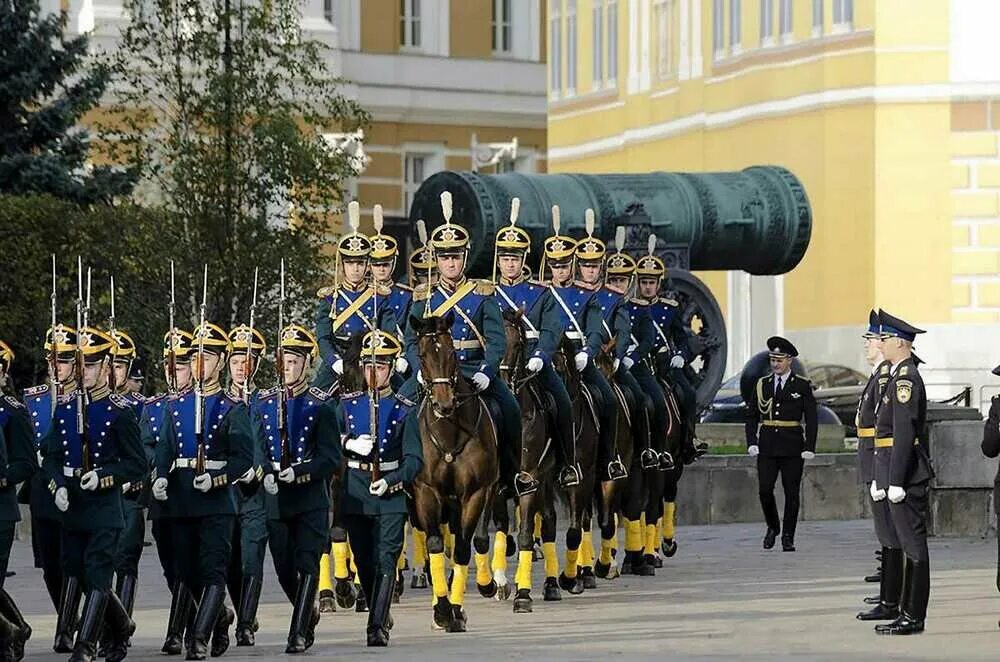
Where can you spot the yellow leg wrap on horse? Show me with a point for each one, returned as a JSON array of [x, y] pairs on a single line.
[[606, 546], [651, 541], [439, 581], [419, 550], [522, 579], [483, 574], [401, 561], [340, 560], [500, 551], [551, 560], [537, 532], [669, 513], [458, 583], [325, 578], [587, 550], [633, 535], [571, 567]]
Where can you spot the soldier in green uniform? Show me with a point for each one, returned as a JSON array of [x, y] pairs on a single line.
[[86, 470], [903, 470], [246, 564], [383, 456], [302, 437], [206, 446], [17, 464]]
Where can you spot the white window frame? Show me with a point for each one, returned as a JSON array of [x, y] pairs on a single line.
[[597, 66], [786, 21], [411, 37], [433, 161], [501, 7], [570, 48], [719, 28], [555, 49], [612, 43], [766, 22], [843, 16], [329, 13], [666, 38], [817, 18], [735, 26]]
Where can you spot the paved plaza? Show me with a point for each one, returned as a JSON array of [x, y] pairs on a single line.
[[721, 597]]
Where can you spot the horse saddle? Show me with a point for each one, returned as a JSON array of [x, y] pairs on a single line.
[[545, 401], [493, 409]]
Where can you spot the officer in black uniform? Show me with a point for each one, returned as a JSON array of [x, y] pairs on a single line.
[[17, 464], [379, 467], [777, 438], [303, 441], [903, 470], [86, 473], [991, 448], [195, 473]]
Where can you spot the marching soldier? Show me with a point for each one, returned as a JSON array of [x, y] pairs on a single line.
[[196, 468], [46, 527], [302, 436], [246, 564], [903, 470], [543, 330], [86, 471], [379, 468], [17, 464], [777, 438]]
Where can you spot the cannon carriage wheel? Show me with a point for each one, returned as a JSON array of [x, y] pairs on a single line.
[[704, 321]]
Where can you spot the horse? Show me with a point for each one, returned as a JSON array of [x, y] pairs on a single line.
[[461, 466], [675, 440], [532, 489]]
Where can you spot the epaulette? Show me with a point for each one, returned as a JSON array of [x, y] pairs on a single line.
[[319, 394], [640, 301], [405, 401], [884, 369], [486, 288], [13, 402], [353, 394], [903, 370], [669, 301], [422, 292], [324, 292], [268, 392], [119, 401], [153, 399], [36, 390], [802, 377]]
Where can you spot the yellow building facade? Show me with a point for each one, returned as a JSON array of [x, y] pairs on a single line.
[[887, 110]]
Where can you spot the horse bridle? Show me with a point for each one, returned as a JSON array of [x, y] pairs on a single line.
[[460, 400]]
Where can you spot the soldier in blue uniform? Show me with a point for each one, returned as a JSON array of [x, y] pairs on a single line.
[[544, 329], [246, 564], [302, 436], [17, 464], [422, 268], [384, 252], [85, 474], [379, 467], [195, 473], [46, 529], [477, 330]]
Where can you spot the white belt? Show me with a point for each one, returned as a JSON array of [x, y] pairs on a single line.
[[192, 463], [366, 466], [574, 335], [531, 335]]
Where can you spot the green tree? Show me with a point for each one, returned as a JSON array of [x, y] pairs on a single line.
[[47, 83]]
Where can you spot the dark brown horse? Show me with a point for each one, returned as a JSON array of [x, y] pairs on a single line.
[[460, 464]]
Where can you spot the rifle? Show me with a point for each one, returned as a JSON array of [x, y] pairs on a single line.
[[199, 392], [373, 397], [53, 362], [111, 330], [285, 460], [248, 370], [172, 353], [82, 398]]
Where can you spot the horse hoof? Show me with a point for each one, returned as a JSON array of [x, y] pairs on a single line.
[[459, 621], [551, 592], [442, 614], [326, 602], [653, 561], [587, 578], [419, 580], [627, 568], [574, 586], [489, 590], [503, 592], [602, 569], [345, 593], [644, 570], [668, 547], [522, 603]]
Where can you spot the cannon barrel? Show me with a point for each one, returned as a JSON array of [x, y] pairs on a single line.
[[757, 220]]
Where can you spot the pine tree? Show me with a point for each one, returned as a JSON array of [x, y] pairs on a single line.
[[47, 83]]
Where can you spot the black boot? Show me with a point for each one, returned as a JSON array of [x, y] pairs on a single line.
[[119, 627], [8, 608], [787, 542], [769, 537], [8, 637], [302, 615], [914, 608], [205, 621], [69, 606], [220, 633], [247, 610], [85, 649], [887, 608], [378, 617], [181, 604], [361, 605], [904, 594]]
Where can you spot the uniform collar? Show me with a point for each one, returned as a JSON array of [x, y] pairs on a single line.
[[449, 287], [211, 389], [388, 284], [355, 287], [385, 391], [515, 281], [590, 287], [99, 392], [300, 388]]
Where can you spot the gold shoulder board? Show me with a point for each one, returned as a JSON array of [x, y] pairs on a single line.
[[486, 288]]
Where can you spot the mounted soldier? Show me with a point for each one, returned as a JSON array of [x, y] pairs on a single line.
[[384, 253]]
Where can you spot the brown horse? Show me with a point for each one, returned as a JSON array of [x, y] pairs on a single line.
[[674, 440], [460, 464], [532, 489]]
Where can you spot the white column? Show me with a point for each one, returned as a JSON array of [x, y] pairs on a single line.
[[684, 62], [767, 312], [696, 27], [738, 322], [645, 23], [633, 46]]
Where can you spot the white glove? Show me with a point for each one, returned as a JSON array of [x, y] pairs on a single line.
[[581, 360], [338, 366], [896, 493], [160, 489], [361, 445], [481, 380], [628, 363], [677, 361], [62, 499], [402, 365], [877, 494], [270, 485], [752, 451], [247, 477], [287, 475], [420, 378], [89, 481], [378, 488], [808, 455], [614, 366], [202, 483], [126, 487], [535, 364]]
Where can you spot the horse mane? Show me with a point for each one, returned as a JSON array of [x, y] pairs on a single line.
[[353, 378]]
